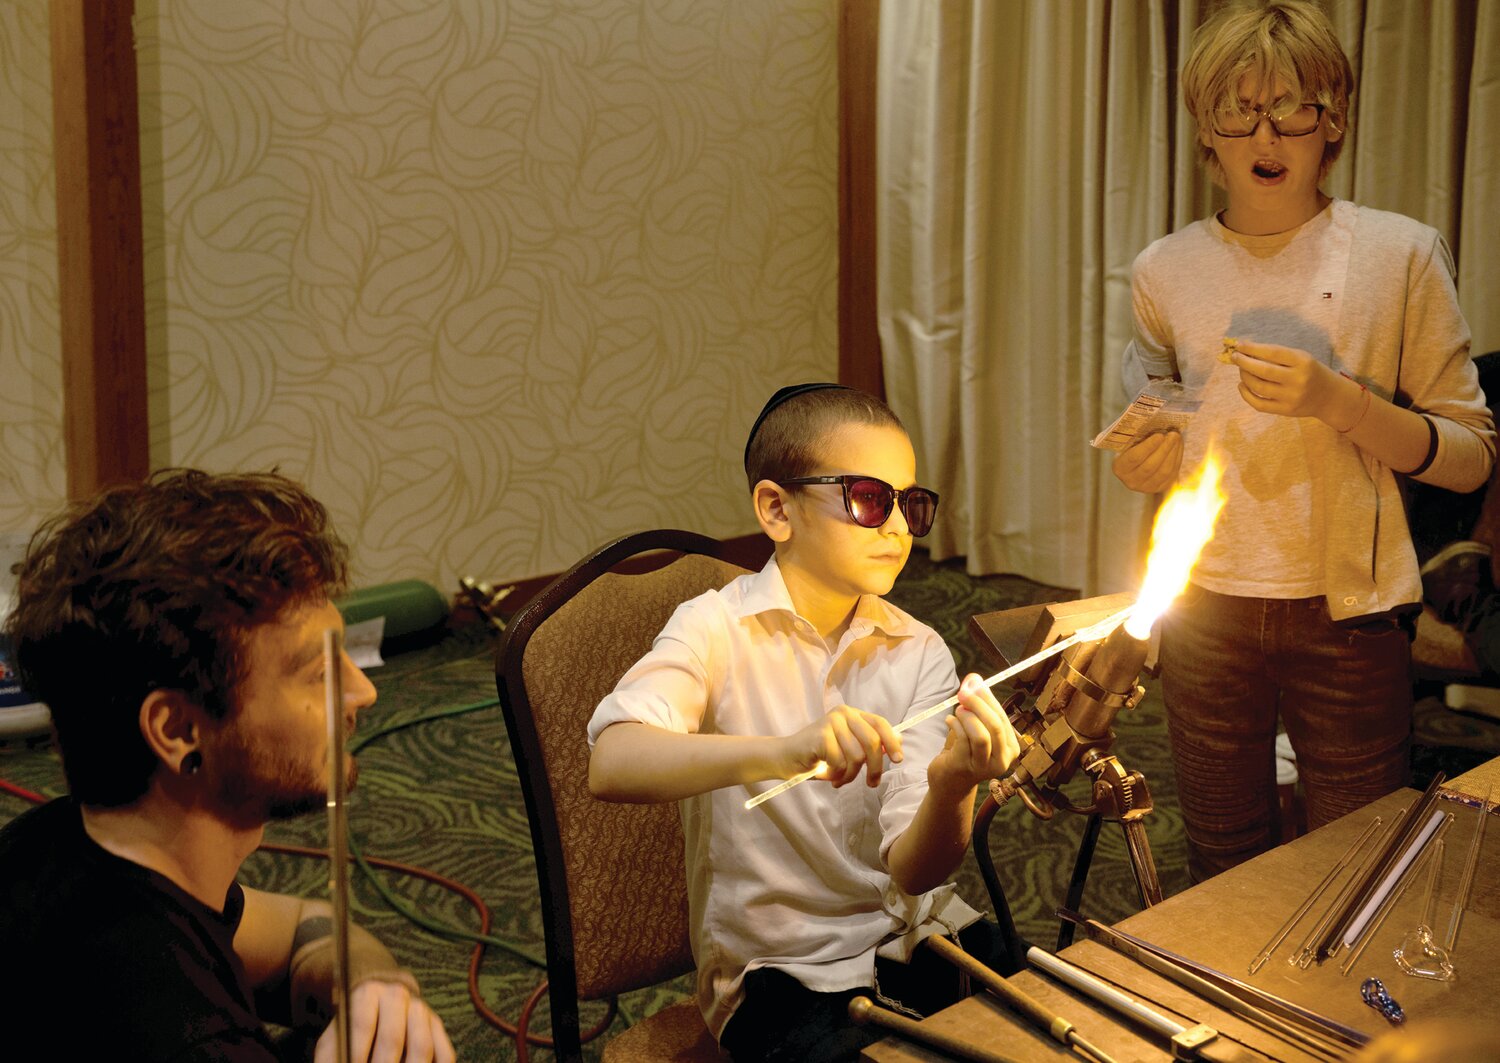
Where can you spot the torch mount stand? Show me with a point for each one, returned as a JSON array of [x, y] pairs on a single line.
[[1067, 730]]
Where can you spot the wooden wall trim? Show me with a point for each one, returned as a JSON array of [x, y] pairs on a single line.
[[859, 335], [101, 290]]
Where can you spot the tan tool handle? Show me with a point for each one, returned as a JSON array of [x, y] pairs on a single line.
[[1039, 1015], [864, 1010], [1035, 1012]]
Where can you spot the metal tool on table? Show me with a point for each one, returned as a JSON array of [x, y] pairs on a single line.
[[1186, 1042], [1297, 1025]]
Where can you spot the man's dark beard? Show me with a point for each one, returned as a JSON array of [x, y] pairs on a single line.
[[291, 805], [272, 787]]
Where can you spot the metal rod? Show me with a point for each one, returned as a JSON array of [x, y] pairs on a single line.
[[338, 838], [1250, 994], [1033, 1010], [864, 1011], [1142, 866], [986, 861], [1337, 869], [1083, 634], [1466, 884], [1215, 994], [1074, 898]]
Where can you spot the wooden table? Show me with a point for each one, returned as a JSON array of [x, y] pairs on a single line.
[[1226, 921]]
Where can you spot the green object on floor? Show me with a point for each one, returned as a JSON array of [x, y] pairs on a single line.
[[410, 607]]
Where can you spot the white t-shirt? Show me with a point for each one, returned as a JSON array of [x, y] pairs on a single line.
[[1370, 294], [799, 883]]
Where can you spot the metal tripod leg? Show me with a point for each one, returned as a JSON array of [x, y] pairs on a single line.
[[1080, 877], [1116, 791], [1141, 864], [1015, 948]]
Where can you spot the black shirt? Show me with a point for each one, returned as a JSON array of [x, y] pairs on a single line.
[[101, 958]]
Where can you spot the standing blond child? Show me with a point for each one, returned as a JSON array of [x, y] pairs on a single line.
[[1327, 345]]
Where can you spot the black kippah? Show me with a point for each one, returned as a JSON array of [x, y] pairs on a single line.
[[791, 391]]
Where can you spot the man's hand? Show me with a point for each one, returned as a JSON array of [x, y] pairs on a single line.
[[981, 744], [846, 740], [1292, 383], [388, 1024], [1151, 465]]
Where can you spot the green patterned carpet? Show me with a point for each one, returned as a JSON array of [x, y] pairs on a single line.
[[443, 795]]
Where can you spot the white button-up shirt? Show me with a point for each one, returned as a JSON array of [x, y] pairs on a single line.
[[799, 883]]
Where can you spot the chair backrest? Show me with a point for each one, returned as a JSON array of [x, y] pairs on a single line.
[[612, 876]]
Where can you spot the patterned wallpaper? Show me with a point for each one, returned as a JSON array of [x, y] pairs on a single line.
[[500, 281], [32, 471]]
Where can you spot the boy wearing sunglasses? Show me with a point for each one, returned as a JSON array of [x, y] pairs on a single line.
[[823, 893], [1327, 346]]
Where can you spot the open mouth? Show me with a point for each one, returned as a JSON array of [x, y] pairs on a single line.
[[1267, 170]]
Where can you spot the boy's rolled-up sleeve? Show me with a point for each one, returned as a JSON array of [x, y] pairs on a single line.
[[667, 688], [904, 785]]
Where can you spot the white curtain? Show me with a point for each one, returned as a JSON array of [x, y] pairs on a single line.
[[1028, 150]]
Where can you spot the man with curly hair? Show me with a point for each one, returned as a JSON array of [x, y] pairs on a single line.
[[175, 630]]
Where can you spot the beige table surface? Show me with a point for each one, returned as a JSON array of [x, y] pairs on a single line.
[[1224, 922], [1479, 781]]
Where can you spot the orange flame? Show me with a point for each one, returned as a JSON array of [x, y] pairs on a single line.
[[1184, 524]]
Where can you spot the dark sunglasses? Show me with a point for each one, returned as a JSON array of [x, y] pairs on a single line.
[[869, 501]]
